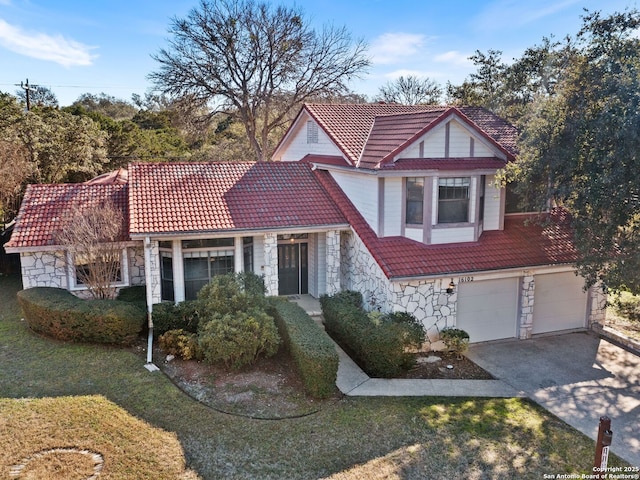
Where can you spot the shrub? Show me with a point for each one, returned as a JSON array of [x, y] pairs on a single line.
[[628, 306], [237, 339], [312, 350], [169, 316], [59, 314], [455, 339], [378, 342], [181, 344], [231, 293]]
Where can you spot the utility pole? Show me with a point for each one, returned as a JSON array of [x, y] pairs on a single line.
[[27, 88]]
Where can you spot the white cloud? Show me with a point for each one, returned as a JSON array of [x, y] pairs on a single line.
[[391, 48], [454, 57], [45, 47]]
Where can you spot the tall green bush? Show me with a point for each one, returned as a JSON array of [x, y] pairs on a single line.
[[59, 314], [312, 350], [169, 316], [380, 343], [233, 326], [237, 339]]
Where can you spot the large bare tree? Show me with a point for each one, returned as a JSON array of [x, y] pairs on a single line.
[[411, 90], [255, 62], [94, 238]]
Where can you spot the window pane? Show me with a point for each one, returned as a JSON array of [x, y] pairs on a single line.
[[207, 243], [453, 199], [415, 200], [166, 273]]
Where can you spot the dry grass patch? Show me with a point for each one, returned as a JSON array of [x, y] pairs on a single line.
[[79, 437]]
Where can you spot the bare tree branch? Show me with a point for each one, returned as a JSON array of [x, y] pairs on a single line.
[[255, 62]]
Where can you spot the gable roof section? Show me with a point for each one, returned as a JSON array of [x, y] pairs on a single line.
[[48, 209], [366, 133], [518, 245], [167, 198]]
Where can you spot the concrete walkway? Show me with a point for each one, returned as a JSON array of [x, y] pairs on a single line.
[[578, 377], [354, 382]]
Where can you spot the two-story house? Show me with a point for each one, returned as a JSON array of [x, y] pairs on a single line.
[[397, 202]]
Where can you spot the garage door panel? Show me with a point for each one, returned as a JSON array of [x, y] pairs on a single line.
[[487, 310], [559, 303]]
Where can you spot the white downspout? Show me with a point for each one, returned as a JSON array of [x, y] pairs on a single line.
[[149, 290]]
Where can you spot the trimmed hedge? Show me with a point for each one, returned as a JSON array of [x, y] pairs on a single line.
[[312, 350], [379, 343], [57, 313], [169, 316]]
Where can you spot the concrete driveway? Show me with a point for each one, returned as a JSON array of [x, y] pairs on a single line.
[[577, 377]]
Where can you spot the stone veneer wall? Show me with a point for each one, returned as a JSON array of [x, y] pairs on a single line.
[[154, 270], [527, 295], [426, 299], [136, 265], [597, 307], [271, 263], [333, 250], [44, 269]]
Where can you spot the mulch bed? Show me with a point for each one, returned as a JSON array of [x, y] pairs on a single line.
[[446, 365]]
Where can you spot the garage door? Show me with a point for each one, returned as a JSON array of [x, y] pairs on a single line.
[[488, 310], [559, 302]]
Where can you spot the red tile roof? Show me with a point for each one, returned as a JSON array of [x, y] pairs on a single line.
[[209, 197], [519, 245], [48, 209], [368, 133]]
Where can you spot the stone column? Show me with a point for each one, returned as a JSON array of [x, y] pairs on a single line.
[[333, 262], [152, 271], [271, 263], [597, 306], [527, 294]]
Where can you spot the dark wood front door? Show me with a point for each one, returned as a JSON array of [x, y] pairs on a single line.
[[293, 272]]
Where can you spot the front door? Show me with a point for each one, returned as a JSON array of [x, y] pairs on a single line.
[[292, 269]]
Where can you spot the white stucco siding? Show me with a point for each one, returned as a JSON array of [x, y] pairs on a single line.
[[481, 150], [362, 190], [297, 146], [452, 235], [392, 207], [459, 141], [433, 145], [492, 205], [414, 234]]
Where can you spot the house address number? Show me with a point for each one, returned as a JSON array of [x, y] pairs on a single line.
[[466, 279]]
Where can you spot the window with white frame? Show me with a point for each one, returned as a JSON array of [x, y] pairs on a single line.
[[203, 260], [99, 268], [415, 200], [453, 199]]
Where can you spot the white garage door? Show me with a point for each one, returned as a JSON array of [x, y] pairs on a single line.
[[559, 302], [488, 310]]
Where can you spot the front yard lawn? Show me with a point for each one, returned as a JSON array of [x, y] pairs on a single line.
[[352, 438]]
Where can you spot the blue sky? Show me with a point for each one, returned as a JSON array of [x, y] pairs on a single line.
[[79, 46]]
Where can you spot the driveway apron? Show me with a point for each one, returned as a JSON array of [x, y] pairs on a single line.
[[576, 376]]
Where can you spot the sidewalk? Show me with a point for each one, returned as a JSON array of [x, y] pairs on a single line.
[[353, 381]]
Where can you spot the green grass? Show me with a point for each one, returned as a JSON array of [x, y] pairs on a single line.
[[407, 438]]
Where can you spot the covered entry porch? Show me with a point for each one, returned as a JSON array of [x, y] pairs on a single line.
[[291, 263]]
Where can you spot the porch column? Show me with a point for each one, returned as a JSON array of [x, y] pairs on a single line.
[[238, 255], [271, 263], [152, 271], [333, 262], [178, 271]]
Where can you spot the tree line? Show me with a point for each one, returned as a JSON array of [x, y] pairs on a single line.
[[235, 72]]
